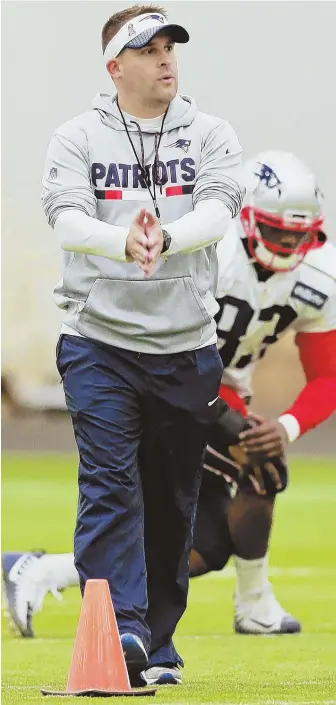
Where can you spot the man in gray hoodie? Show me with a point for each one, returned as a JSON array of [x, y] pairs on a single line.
[[138, 190]]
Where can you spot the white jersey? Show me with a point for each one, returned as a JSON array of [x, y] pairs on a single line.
[[255, 314]]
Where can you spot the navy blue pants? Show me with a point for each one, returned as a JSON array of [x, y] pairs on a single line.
[[140, 425]]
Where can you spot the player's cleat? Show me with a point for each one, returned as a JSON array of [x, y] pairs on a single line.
[[26, 586], [135, 657], [162, 675], [262, 614]]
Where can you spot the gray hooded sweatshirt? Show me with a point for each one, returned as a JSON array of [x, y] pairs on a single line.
[[91, 167]]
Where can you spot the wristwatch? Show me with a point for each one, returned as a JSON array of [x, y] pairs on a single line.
[[166, 241]]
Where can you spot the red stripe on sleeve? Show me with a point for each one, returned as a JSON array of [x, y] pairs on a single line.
[[232, 399], [317, 353], [113, 195], [174, 190], [317, 401]]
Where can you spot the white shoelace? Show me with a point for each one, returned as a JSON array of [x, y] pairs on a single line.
[[265, 600]]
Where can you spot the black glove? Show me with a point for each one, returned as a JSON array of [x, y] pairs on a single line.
[[226, 427], [263, 475]]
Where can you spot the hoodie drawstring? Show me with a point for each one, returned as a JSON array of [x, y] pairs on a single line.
[[145, 172]]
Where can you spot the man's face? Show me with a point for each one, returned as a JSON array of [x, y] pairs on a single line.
[[150, 73], [283, 238]]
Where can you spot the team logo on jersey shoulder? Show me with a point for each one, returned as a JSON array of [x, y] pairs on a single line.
[[181, 144], [307, 295]]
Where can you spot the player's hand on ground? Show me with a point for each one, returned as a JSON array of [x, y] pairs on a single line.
[[267, 436], [137, 242], [155, 241]]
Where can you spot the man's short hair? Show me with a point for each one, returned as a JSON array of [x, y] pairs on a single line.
[[116, 21]]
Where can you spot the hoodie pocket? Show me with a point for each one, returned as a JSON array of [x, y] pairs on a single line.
[[150, 308]]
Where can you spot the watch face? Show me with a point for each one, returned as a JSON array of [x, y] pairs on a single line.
[[166, 241]]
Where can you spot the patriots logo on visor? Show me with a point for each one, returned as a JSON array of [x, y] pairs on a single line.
[[180, 144], [153, 17], [267, 176]]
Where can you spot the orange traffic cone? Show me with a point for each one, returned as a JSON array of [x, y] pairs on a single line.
[[98, 665]]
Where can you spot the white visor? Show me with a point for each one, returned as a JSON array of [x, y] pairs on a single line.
[[139, 31]]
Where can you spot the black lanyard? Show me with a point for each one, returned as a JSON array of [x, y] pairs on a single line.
[[142, 168]]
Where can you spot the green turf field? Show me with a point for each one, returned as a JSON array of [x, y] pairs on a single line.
[[38, 508]]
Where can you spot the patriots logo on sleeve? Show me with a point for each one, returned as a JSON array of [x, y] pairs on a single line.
[[267, 176], [180, 144], [309, 296]]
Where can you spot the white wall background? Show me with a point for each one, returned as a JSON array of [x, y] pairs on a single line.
[[269, 67]]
